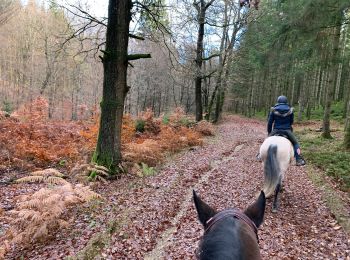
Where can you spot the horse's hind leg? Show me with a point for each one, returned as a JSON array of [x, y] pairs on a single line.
[[275, 200]]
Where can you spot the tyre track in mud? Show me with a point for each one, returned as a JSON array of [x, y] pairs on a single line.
[[165, 239]]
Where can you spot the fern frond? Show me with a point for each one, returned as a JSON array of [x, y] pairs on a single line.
[[55, 180], [30, 179], [102, 172], [101, 179], [41, 232], [48, 172], [85, 193], [26, 214], [36, 217], [100, 167], [71, 199], [31, 204], [56, 211], [42, 193], [93, 169], [54, 198], [78, 168], [42, 213]]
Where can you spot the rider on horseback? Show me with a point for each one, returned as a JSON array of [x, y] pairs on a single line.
[[281, 118]]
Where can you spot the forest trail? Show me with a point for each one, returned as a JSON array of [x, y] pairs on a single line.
[[226, 174], [156, 218]]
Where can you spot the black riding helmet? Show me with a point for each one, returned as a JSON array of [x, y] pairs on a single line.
[[282, 99]]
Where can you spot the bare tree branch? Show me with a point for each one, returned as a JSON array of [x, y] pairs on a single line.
[[138, 56], [212, 56]]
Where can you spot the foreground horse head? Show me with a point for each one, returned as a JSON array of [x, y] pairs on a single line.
[[276, 153], [230, 234]]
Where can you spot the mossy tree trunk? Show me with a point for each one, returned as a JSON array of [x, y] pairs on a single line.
[[115, 62]]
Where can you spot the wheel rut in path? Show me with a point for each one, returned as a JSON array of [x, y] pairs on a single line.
[[166, 237]]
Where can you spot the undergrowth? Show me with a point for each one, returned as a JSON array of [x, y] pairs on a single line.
[[317, 113], [329, 155], [39, 216], [30, 141]]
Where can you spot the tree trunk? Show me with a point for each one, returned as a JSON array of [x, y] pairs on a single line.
[[199, 61], [115, 62], [334, 63], [347, 128]]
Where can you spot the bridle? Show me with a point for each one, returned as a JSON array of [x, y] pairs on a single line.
[[234, 213]]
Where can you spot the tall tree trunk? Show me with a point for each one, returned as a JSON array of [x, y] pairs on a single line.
[[334, 63], [347, 128], [115, 62], [199, 60], [201, 8]]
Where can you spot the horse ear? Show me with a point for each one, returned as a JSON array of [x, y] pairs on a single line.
[[256, 211], [205, 212]]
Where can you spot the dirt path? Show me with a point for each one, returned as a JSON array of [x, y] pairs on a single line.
[[226, 174], [157, 220]]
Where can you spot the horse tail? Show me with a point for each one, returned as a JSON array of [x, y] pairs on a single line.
[[271, 171]]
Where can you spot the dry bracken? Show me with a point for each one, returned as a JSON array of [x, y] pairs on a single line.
[[40, 215]]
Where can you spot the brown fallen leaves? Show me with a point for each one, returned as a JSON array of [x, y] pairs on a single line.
[[226, 176]]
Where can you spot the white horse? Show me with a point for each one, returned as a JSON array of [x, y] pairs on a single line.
[[276, 153]]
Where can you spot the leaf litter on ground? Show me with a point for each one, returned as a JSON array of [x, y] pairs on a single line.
[[226, 174]]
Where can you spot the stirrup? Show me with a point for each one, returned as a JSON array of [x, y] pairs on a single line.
[[300, 162], [258, 158]]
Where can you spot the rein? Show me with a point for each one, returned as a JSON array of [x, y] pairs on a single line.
[[234, 213]]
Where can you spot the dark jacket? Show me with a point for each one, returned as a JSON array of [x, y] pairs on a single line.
[[281, 117]]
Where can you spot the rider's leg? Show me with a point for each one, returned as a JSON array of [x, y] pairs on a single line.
[[297, 153]]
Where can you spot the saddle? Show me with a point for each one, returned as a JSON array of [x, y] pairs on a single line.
[[282, 133]]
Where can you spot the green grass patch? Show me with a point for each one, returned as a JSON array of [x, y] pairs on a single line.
[[337, 112], [327, 154], [333, 200]]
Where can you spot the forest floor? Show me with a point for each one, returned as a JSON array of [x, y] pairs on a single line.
[[154, 217]]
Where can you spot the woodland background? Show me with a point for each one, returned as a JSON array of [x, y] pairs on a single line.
[[207, 59], [299, 49]]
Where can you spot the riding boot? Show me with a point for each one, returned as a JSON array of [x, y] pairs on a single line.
[[299, 160], [258, 157]]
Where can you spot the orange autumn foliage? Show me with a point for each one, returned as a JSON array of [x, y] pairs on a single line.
[[90, 132], [36, 142]]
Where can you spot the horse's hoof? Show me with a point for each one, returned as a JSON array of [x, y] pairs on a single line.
[[274, 210]]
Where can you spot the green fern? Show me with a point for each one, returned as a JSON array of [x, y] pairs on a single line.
[[147, 171]]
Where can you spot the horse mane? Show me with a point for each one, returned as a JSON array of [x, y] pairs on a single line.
[[223, 242]]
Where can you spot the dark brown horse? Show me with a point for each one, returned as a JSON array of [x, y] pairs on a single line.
[[230, 234]]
